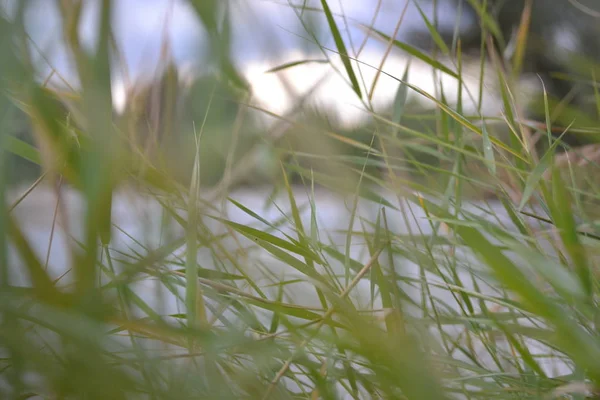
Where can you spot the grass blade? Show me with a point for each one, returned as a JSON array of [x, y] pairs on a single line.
[[341, 47]]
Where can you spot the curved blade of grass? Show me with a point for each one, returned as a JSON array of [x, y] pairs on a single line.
[[194, 300], [352, 142], [433, 31], [413, 51], [522, 34], [292, 311], [39, 278], [488, 21], [22, 149], [257, 234], [488, 150], [562, 215], [341, 47], [536, 175], [291, 260], [294, 64], [400, 99], [261, 219]]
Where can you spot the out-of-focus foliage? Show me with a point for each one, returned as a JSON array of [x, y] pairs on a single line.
[[188, 302]]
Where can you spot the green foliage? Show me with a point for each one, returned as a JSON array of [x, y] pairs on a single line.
[[493, 306]]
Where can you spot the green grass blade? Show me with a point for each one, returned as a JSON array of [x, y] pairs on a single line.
[[341, 47]]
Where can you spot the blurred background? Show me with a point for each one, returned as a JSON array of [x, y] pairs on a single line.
[[294, 199], [165, 67]]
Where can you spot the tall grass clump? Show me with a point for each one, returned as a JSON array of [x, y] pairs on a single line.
[[457, 259]]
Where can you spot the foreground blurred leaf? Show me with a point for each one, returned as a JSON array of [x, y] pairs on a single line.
[[22, 149]]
